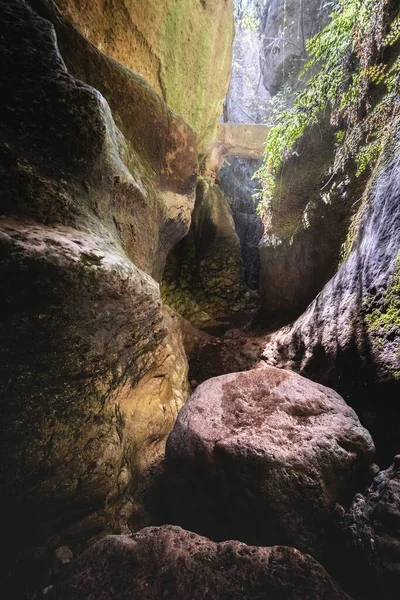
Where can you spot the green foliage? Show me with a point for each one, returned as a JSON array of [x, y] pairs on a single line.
[[247, 14], [387, 315], [344, 64]]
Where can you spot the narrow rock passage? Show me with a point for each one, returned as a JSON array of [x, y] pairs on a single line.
[[169, 194]]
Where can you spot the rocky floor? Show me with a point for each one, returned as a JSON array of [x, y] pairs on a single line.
[[272, 460]]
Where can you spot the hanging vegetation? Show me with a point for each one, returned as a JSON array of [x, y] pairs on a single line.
[[352, 73]]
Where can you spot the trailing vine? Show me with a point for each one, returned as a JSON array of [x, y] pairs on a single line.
[[347, 66]]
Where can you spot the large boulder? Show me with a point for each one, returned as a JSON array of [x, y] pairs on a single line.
[[173, 44], [195, 284], [174, 564], [263, 456], [93, 372]]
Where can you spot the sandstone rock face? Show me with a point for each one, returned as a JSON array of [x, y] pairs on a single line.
[[152, 151], [204, 274], [304, 231], [93, 372], [173, 44], [263, 457], [349, 337], [168, 562], [286, 26], [373, 527]]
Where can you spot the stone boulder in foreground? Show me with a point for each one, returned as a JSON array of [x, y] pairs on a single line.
[[168, 562], [264, 456]]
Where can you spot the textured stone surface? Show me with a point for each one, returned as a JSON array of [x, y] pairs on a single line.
[[373, 530], [304, 230], [204, 274], [247, 96], [151, 150], [263, 457], [171, 563], [174, 44], [92, 372], [349, 336]]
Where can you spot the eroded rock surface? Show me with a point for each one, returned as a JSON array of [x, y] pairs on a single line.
[[237, 183], [349, 337], [171, 563], [286, 26], [263, 457], [204, 274], [183, 49], [93, 372]]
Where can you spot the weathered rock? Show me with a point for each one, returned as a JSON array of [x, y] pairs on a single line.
[[92, 372], [349, 337], [204, 273], [263, 457], [183, 49], [373, 530], [174, 564], [304, 229], [152, 152]]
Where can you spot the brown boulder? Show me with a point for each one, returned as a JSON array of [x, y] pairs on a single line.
[[264, 456], [174, 564]]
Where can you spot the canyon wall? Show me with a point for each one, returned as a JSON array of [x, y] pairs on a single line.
[[98, 180], [349, 336], [183, 49]]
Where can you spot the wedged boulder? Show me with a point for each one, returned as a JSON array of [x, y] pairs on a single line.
[[264, 456], [373, 532], [168, 562], [204, 276]]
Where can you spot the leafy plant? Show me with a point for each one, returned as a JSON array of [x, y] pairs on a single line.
[[345, 62]]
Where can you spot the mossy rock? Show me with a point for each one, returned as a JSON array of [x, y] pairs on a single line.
[[204, 274], [183, 49]]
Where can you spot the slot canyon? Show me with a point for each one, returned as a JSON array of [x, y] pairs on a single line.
[[200, 299]]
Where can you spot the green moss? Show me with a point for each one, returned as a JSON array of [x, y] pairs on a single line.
[[193, 36], [387, 314]]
